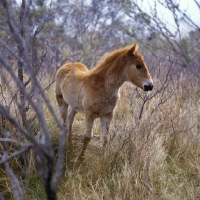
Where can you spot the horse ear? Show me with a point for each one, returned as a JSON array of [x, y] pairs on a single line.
[[133, 49]]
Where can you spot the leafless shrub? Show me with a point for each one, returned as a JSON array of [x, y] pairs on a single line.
[[178, 36], [23, 100]]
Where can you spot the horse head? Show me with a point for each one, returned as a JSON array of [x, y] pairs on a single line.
[[136, 69]]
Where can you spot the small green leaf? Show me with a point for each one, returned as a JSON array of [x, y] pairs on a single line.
[[3, 33]]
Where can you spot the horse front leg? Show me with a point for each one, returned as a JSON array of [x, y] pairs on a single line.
[[89, 121], [105, 125]]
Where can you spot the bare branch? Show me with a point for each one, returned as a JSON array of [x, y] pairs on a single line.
[[16, 188], [6, 158], [15, 141], [61, 158]]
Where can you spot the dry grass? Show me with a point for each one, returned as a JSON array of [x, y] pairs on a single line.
[[154, 158], [157, 157]]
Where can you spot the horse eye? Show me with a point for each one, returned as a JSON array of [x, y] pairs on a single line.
[[138, 66]]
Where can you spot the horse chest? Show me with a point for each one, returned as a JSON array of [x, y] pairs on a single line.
[[100, 105], [109, 102], [107, 107]]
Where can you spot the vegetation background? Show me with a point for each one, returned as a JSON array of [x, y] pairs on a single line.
[[153, 152]]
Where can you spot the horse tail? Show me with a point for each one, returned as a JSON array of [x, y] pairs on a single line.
[[61, 73]]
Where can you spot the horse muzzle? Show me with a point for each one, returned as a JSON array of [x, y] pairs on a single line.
[[148, 87]]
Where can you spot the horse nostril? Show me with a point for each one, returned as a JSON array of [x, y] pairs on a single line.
[[148, 87]]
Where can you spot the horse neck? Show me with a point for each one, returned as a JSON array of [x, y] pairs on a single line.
[[112, 73], [115, 76]]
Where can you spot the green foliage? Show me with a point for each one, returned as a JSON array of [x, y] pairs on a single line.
[[143, 18], [3, 33], [36, 190], [65, 54], [185, 49]]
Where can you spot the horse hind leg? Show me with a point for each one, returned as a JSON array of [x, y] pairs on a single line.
[[70, 120], [63, 108]]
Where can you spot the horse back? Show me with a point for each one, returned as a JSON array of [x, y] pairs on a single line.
[[67, 70]]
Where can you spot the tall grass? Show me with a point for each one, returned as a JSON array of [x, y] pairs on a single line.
[[156, 157]]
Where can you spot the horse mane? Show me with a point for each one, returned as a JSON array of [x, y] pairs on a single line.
[[110, 57], [109, 60]]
